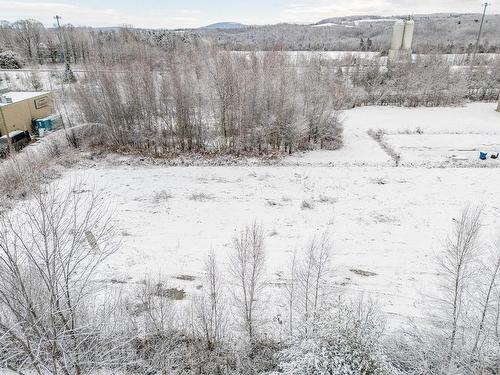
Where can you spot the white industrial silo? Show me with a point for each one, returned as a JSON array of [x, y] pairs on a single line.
[[409, 26], [397, 35]]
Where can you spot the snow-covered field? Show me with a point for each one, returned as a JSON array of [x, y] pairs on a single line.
[[423, 136], [387, 223]]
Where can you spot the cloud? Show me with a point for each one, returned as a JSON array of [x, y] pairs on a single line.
[[339, 7], [81, 15], [299, 11], [189, 11]]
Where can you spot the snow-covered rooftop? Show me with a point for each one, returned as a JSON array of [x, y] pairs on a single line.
[[18, 96]]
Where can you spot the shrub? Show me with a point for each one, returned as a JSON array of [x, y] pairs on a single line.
[[307, 205], [34, 81], [161, 196], [200, 197], [346, 340], [10, 60]]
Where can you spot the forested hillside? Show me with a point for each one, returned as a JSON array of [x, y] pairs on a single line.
[[433, 34]]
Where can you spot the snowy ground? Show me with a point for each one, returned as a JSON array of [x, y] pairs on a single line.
[[423, 136], [387, 221]]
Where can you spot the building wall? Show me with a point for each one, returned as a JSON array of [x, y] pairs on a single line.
[[19, 115]]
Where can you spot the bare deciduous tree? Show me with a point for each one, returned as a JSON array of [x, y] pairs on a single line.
[[461, 251], [50, 250], [489, 295], [291, 287], [210, 307], [246, 264], [311, 274], [28, 36]]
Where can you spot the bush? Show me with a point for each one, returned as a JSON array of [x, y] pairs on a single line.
[[346, 340], [10, 60], [307, 205], [34, 82]]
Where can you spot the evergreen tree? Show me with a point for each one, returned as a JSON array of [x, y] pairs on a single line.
[[369, 44], [361, 45], [68, 76]]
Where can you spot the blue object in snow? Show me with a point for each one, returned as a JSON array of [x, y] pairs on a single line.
[[483, 155], [44, 123]]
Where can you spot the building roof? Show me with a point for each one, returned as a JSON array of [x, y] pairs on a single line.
[[18, 96]]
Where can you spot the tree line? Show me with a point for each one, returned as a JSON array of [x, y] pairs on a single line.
[[207, 99], [34, 43], [212, 100]]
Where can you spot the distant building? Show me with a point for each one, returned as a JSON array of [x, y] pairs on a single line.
[[21, 108]]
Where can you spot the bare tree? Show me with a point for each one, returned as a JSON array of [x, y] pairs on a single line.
[[246, 264], [461, 251], [496, 325], [468, 310], [485, 305], [50, 250], [210, 307], [311, 276], [6, 35], [291, 290], [484, 327], [27, 33]]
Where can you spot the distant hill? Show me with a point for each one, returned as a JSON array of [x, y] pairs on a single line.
[[355, 20], [434, 33], [224, 25], [339, 20], [108, 28]]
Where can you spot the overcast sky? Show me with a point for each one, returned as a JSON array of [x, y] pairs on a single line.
[[194, 13]]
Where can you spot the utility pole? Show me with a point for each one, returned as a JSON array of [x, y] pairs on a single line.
[[63, 45], [57, 19], [67, 69], [485, 5]]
